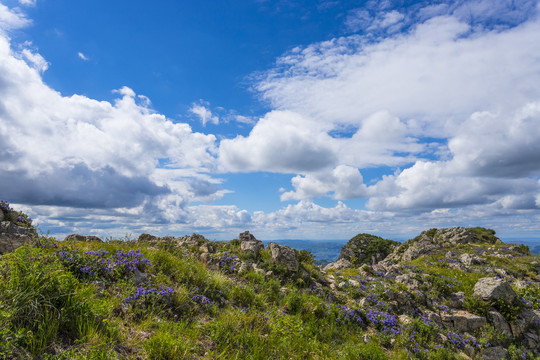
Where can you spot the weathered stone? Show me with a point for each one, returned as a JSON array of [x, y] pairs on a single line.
[[532, 340], [139, 277], [206, 258], [354, 283], [463, 321], [148, 238], [525, 319], [457, 299], [494, 289], [409, 281], [468, 259], [85, 238], [284, 255], [13, 236], [249, 244], [494, 353], [193, 240], [338, 265], [1, 215], [499, 322], [404, 319]]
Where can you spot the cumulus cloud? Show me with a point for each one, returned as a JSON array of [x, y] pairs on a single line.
[[78, 152], [11, 19], [344, 182], [204, 113], [27, 2]]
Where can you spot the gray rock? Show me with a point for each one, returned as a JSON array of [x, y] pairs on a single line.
[[525, 319], [284, 255], [499, 322], [86, 238], [532, 340], [249, 244], [193, 240], [409, 281], [338, 265], [1, 216], [494, 289], [463, 321], [494, 353], [13, 236]]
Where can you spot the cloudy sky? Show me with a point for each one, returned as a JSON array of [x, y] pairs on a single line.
[[295, 119]]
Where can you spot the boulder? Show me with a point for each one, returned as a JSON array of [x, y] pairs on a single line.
[[77, 237], [249, 244], [499, 322], [462, 321], [493, 289], [338, 265], [193, 240], [409, 281], [13, 236], [284, 255], [494, 353], [148, 238], [430, 241], [526, 319]]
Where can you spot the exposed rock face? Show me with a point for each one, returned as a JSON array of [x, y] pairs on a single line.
[[494, 289], [77, 237], [463, 321], [284, 255], [432, 240], [13, 236], [249, 244], [340, 264], [194, 240], [366, 249], [499, 322]]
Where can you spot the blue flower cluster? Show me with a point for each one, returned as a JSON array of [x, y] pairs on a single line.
[[4, 205], [460, 341], [347, 315], [229, 263], [145, 291], [384, 321], [203, 300], [102, 264]]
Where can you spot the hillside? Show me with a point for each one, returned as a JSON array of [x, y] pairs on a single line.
[[447, 294]]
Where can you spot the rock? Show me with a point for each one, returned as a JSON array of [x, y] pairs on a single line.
[[468, 260], [409, 281], [430, 241], [499, 322], [13, 236], [284, 255], [206, 258], [463, 321], [338, 265], [193, 240], [139, 277], [1, 215], [525, 319], [457, 299], [366, 248], [494, 353], [354, 283], [249, 244], [148, 238], [532, 341], [84, 238], [494, 289], [404, 319]]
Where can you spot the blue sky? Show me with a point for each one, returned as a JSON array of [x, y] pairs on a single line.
[[293, 119]]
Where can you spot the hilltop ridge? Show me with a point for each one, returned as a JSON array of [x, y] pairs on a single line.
[[455, 293]]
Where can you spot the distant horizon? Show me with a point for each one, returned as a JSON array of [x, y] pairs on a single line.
[[294, 119]]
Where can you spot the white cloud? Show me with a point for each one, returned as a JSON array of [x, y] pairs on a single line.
[[27, 2], [344, 182], [78, 152], [11, 19], [82, 56], [204, 114]]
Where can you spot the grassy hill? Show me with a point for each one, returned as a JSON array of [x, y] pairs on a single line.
[[166, 298]]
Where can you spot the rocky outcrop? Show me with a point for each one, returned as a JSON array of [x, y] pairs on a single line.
[[338, 265], [284, 255], [83, 238], [13, 236], [493, 289], [433, 240], [249, 244], [463, 321], [366, 249]]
